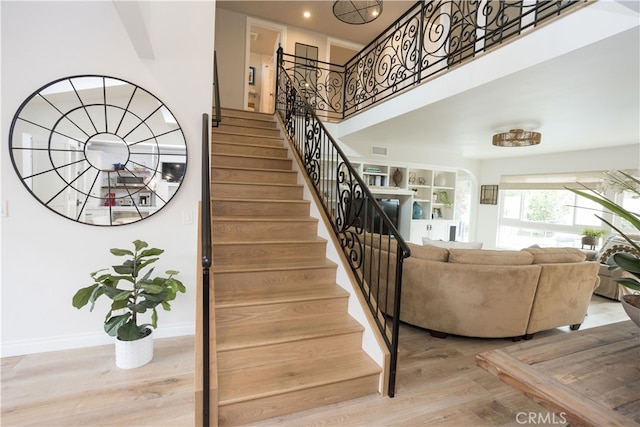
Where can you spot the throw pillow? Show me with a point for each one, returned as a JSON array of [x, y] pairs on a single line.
[[451, 244], [613, 245]]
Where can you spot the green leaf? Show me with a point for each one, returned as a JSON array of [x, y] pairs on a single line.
[[154, 318], [97, 293], [129, 331], [126, 268], [81, 298], [124, 295], [629, 283], [172, 272], [627, 262], [138, 308], [120, 252], [112, 325], [633, 219], [118, 305], [152, 289], [166, 306], [154, 297], [139, 244], [151, 252]]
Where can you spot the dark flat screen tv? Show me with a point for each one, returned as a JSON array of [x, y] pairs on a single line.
[[391, 207], [173, 171], [371, 218]]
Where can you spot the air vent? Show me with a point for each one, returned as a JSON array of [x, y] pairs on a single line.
[[378, 151]]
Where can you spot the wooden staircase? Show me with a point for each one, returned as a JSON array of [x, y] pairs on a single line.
[[285, 342]]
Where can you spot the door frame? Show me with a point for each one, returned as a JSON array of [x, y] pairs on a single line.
[[272, 26]]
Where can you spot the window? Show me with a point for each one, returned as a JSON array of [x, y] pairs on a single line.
[[545, 217]]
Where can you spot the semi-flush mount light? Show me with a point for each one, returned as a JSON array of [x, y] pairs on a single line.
[[517, 138], [357, 11]]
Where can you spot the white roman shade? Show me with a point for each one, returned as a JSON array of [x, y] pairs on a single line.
[[554, 181]]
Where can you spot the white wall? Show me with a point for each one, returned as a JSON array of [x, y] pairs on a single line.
[[45, 258], [230, 52]]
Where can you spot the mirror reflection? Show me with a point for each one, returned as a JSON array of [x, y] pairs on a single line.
[[98, 150]]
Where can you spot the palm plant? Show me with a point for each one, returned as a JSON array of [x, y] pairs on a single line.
[[625, 261]]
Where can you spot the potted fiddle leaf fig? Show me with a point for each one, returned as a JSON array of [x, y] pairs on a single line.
[[133, 291]]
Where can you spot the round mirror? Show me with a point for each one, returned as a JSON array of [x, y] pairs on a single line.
[[98, 150]]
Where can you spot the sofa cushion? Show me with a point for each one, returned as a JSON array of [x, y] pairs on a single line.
[[613, 245], [451, 244], [432, 253], [556, 255], [489, 257]]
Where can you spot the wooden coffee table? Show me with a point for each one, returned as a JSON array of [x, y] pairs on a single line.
[[589, 377]]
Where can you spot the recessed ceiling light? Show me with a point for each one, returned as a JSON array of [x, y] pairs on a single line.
[[307, 14]]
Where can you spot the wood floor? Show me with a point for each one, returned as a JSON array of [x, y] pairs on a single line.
[[439, 385]]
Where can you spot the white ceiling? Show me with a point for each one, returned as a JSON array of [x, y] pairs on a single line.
[[589, 98]]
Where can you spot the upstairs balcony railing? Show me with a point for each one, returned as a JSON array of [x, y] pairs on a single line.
[[429, 39], [371, 243]]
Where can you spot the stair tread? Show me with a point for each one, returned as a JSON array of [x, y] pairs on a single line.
[[257, 334], [247, 125], [256, 115], [217, 131], [273, 265], [251, 145], [261, 296], [258, 184], [250, 156], [221, 241], [252, 169], [254, 383], [229, 199], [250, 219]]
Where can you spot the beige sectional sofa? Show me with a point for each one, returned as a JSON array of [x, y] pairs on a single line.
[[488, 293]]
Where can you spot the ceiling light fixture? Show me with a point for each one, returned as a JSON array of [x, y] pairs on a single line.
[[357, 11], [517, 138]]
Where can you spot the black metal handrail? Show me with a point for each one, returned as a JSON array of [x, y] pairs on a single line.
[[217, 109], [371, 242], [429, 39], [207, 258]]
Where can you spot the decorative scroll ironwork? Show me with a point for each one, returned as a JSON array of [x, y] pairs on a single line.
[[356, 217], [430, 38]]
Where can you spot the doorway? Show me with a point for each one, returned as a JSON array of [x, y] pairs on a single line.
[[263, 40]]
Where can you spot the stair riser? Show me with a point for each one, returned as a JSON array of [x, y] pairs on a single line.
[[246, 130], [243, 230], [249, 191], [239, 121], [278, 280], [282, 311], [267, 251], [245, 412], [226, 112], [259, 208], [289, 351], [252, 176], [246, 139], [250, 162], [249, 150]]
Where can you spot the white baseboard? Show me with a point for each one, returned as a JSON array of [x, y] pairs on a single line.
[[67, 342]]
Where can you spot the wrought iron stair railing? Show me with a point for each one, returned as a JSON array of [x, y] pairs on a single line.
[[372, 244], [429, 39]]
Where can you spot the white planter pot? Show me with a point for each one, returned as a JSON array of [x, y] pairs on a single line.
[[133, 354]]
